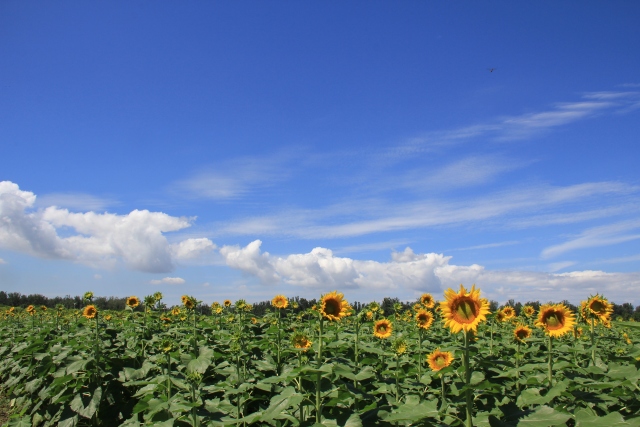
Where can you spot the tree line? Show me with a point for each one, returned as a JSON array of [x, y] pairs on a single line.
[[388, 306]]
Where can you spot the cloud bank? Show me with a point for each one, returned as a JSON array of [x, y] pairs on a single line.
[[95, 239]]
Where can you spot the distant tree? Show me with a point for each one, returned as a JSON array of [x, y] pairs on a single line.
[[636, 314], [3, 298], [624, 310], [493, 306]]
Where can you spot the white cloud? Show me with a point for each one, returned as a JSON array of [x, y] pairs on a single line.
[[408, 274], [74, 201], [557, 266], [99, 240], [375, 217], [168, 281], [604, 235]]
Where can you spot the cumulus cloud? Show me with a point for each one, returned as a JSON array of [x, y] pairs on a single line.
[[168, 281], [96, 239], [409, 273]]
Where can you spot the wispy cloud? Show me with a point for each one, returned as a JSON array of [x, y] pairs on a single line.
[[382, 216], [605, 235], [620, 260], [168, 281], [376, 246], [486, 246], [75, 201]]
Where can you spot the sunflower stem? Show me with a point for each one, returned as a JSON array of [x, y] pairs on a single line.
[[550, 363], [444, 401], [593, 342], [517, 371], [420, 353], [319, 375], [491, 342], [467, 374], [278, 344]]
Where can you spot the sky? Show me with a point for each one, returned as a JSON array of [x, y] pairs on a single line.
[[246, 149]]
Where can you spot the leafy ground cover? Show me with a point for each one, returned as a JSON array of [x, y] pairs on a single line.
[[451, 363]]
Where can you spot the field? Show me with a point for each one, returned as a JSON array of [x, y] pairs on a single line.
[[438, 364]]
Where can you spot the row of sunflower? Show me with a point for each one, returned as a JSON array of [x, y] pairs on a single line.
[[451, 363]]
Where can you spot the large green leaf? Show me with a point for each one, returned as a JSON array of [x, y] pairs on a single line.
[[532, 396], [414, 410], [544, 416], [86, 411], [585, 418]]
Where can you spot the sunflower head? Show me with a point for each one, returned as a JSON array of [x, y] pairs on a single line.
[[577, 332], [280, 302], [439, 359], [382, 329], [88, 296], [157, 296], [218, 310], [107, 317], [462, 310], [374, 307], [43, 307], [427, 300], [598, 308], [133, 302], [400, 346], [301, 341], [424, 319], [528, 310], [166, 346], [500, 317], [227, 303], [254, 320], [509, 312], [90, 312], [334, 306], [175, 311], [369, 315], [31, 309], [522, 332], [555, 319]]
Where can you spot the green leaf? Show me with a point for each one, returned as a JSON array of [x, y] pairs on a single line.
[[87, 411], [69, 422], [20, 422], [632, 325], [544, 416], [353, 421], [412, 410], [531, 396], [614, 419]]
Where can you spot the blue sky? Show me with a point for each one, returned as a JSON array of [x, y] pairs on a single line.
[[246, 149]]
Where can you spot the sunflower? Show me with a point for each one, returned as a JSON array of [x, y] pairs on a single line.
[[43, 307], [369, 315], [301, 342], [215, 305], [528, 310], [500, 317], [427, 300], [218, 310], [555, 319], [90, 312], [280, 301], [11, 310], [107, 317], [333, 306], [400, 346], [166, 346], [175, 311], [374, 306], [522, 332], [227, 303], [577, 332], [189, 304], [599, 308], [165, 320], [439, 359], [424, 319], [509, 312], [382, 329], [31, 309], [254, 320], [463, 310], [133, 302]]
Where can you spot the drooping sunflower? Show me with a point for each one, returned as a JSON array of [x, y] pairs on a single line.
[[334, 306], [189, 303], [382, 329], [133, 302], [555, 319], [90, 312], [427, 300], [227, 303], [439, 359], [31, 309], [301, 341], [599, 308], [280, 302], [528, 310], [522, 332], [462, 310], [424, 319], [500, 317], [509, 312]]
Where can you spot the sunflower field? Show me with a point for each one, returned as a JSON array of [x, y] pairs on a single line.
[[447, 363]]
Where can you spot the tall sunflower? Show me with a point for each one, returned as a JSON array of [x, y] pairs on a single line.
[[227, 303], [133, 302], [301, 341], [31, 309], [382, 329], [599, 308], [424, 319], [427, 300], [439, 359], [334, 306], [522, 332], [90, 312], [463, 310], [280, 301], [555, 319]]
